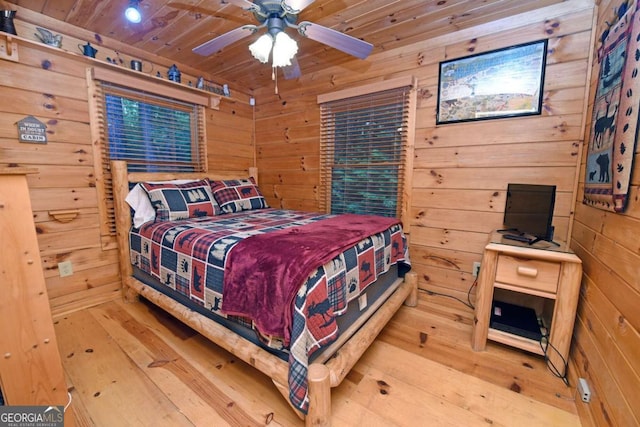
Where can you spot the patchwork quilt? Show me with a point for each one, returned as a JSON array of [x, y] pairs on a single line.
[[189, 255]]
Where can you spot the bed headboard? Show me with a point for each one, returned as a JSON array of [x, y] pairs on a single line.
[[121, 179]]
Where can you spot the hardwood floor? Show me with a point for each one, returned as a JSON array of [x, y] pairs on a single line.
[[132, 364]]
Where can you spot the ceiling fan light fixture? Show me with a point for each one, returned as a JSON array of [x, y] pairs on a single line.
[[284, 49], [133, 12], [261, 48]]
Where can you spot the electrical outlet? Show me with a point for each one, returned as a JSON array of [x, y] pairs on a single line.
[[476, 269], [583, 390], [65, 268]]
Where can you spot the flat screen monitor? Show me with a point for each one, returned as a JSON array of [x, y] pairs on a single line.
[[528, 211]]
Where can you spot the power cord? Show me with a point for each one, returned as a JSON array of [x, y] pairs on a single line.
[[544, 345], [467, 303], [544, 340], [69, 402]]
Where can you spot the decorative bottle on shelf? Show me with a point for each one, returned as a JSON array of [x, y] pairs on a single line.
[[173, 74], [6, 21]]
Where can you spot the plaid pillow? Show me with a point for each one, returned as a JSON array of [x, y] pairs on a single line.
[[235, 195], [182, 201]]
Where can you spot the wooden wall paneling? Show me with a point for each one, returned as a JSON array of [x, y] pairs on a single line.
[[600, 363], [59, 176], [459, 260], [607, 337], [51, 84], [303, 162], [584, 354], [633, 209], [308, 205], [285, 192], [448, 239], [615, 337], [82, 280], [82, 259], [621, 295], [528, 154], [70, 240], [122, 53], [490, 178], [49, 59], [460, 170], [288, 177], [37, 80], [45, 104], [482, 200], [539, 128], [52, 153], [80, 300], [63, 198], [170, 28], [619, 259]]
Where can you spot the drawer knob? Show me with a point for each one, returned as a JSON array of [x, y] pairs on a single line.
[[527, 271]]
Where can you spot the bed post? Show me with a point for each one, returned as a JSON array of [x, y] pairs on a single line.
[[412, 279], [319, 396], [119, 176]]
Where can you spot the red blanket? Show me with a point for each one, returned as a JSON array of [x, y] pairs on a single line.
[[264, 272]]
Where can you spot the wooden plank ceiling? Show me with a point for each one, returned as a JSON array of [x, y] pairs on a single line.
[[172, 28]]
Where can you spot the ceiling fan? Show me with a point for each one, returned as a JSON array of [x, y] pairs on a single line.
[[275, 16]]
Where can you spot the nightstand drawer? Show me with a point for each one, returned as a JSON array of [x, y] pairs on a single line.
[[529, 273]]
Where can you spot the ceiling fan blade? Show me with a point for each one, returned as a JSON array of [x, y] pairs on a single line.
[[245, 4], [292, 71], [295, 6], [336, 39], [214, 45]]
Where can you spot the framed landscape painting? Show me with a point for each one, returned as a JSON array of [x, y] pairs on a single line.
[[501, 83]]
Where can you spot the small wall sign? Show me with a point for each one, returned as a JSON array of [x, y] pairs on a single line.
[[32, 130]]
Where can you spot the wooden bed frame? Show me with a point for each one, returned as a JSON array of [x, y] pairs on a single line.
[[326, 372]]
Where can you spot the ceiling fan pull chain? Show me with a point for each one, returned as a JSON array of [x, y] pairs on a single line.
[[274, 77]]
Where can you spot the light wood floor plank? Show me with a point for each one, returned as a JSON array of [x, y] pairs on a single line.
[[241, 382], [453, 389], [112, 389], [133, 361], [447, 341]]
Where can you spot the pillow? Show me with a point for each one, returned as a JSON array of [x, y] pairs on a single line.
[[139, 201], [142, 209], [181, 201], [235, 195]]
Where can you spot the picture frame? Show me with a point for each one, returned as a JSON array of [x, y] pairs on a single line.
[[506, 82]]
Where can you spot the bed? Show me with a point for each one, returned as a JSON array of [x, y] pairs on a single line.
[[335, 299]]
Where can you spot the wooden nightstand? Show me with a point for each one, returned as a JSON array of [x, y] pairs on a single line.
[[542, 276]]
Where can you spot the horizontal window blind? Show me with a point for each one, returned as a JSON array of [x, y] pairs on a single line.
[[363, 145], [152, 133]]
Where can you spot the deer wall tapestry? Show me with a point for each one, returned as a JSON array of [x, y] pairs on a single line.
[[615, 113]]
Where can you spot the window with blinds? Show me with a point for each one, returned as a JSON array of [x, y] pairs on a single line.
[[152, 133], [363, 151]]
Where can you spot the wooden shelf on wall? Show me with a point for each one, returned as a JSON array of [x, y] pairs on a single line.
[[9, 46]]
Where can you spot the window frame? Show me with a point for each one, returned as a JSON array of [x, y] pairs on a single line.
[[97, 110], [405, 182]]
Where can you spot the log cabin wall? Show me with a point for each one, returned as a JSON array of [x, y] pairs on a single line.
[[460, 171], [607, 332], [50, 84]]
